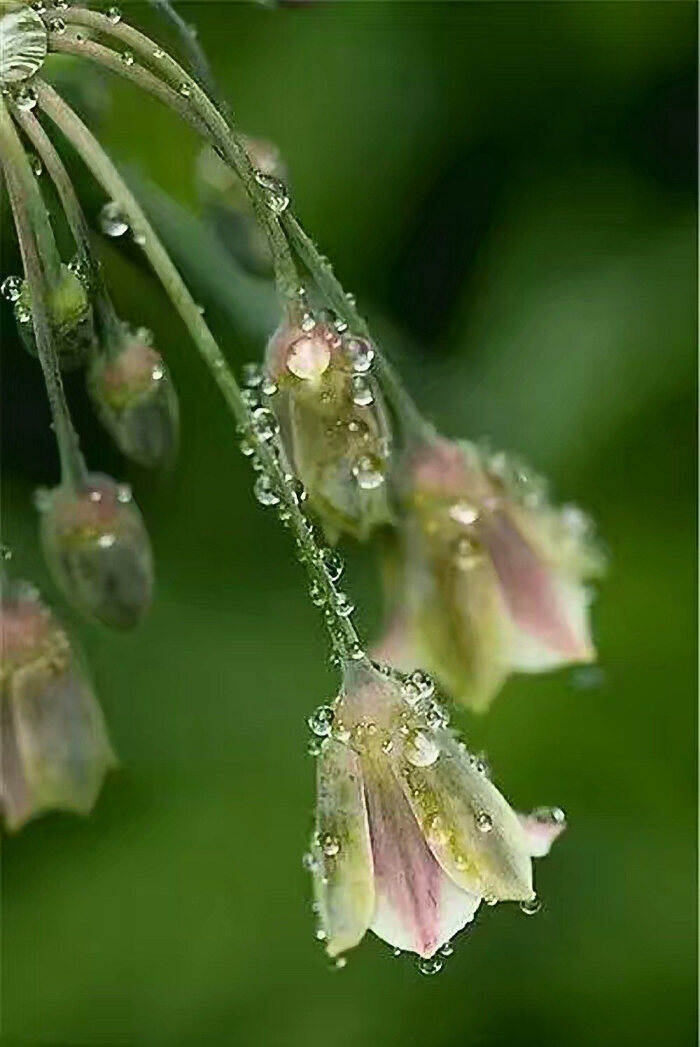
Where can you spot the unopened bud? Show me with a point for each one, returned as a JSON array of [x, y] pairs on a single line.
[[23, 42], [98, 550], [70, 316], [55, 750], [136, 401]]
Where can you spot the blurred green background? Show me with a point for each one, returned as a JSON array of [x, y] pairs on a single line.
[[509, 189]]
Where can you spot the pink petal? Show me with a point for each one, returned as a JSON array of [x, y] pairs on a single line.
[[417, 908], [548, 609]]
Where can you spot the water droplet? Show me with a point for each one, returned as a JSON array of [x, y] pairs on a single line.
[[264, 423], [308, 862], [484, 822], [308, 357], [356, 653], [268, 386], [317, 594], [396, 952], [343, 605], [185, 90], [464, 513], [252, 375], [112, 219], [329, 844], [276, 192], [159, 53], [246, 448], [339, 963], [333, 563], [421, 749], [424, 683], [250, 397], [124, 494], [362, 395], [431, 965], [105, 541], [139, 237], [264, 491], [436, 716], [531, 907], [114, 15], [23, 313], [549, 815], [57, 25], [447, 949], [11, 288], [321, 721], [26, 98], [158, 372], [368, 472], [127, 58], [361, 354], [410, 692]]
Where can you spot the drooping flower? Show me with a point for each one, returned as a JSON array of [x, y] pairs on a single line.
[[135, 398], [23, 42], [53, 741], [70, 315], [492, 577], [334, 424], [98, 550], [411, 835]]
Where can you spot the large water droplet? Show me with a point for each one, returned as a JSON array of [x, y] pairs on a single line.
[[362, 395], [264, 491], [112, 220], [531, 907], [431, 965], [421, 749], [321, 721], [276, 192], [11, 288], [484, 822]]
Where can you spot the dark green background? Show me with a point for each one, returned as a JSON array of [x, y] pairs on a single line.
[[509, 189]]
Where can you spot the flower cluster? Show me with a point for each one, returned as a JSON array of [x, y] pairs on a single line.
[[483, 575]]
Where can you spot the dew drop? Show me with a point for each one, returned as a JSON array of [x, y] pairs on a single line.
[[185, 90], [124, 494], [114, 15], [26, 98], [57, 25], [361, 354], [159, 53], [264, 491], [106, 541], [333, 563], [157, 372], [464, 513], [276, 192], [317, 594], [447, 949], [549, 815], [531, 907], [430, 965], [423, 682], [362, 395], [252, 375], [368, 473], [127, 58], [420, 749], [343, 605], [264, 423], [329, 844], [321, 721], [11, 288], [484, 822], [112, 219]]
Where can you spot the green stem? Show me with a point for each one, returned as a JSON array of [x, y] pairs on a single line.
[[184, 94], [110, 323], [19, 180], [107, 175]]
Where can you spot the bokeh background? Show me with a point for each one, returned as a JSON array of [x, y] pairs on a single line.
[[509, 189]]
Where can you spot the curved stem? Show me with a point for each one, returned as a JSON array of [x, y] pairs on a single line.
[[341, 628], [19, 180], [74, 216]]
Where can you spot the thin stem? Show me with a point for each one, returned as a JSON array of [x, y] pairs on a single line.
[[75, 217], [188, 36], [344, 305], [342, 630], [19, 180], [198, 108]]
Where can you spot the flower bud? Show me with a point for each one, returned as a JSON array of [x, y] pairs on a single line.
[[23, 42], [136, 400], [334, 424], [70, 316], [54, 745], [98, 550], [492, 576]]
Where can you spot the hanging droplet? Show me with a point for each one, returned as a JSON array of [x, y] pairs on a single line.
[[431, 965], [421, 749], [531, 907], [264, 491], [329, 844], [26, 98], [113, 221], [549, 815], [333, 563], [114, 15], [321, 721], [362, 395], [127, 58], [276, 192], [484, 822], [368, 472], [11, 288], [361, 353], [264, 423]]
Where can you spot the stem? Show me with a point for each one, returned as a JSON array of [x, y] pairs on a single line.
[[75, 217], [19, 180], [198, 109], [342, 630], [329, 285], [196, 56]]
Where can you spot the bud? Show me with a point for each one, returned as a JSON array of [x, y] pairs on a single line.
[[410, 835], [492, 578], [55, 750], [334, 423], [70, 316], [23, 42], [229, 206], [98, 550], [135, 399]]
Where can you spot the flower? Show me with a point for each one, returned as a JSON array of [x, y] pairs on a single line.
[[98, 550], [410, 834], [55, 749], [23, 42], [134, 396], [70, 315], [491, 576], [334, 424]]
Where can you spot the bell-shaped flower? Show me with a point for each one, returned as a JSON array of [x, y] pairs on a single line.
[[24, 42], [492, 577], [53, 742], [411, 835], [98, 550], [135, 398], [70, 315], [334, 424]]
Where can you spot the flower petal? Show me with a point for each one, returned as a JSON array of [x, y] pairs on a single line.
[[542, 828], [418, 908], [469, 826], [343, 880]]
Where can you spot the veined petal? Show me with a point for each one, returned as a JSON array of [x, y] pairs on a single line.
[[343, 881], [15, 796], [61, 738], [418, 908], [469, 826], [542, 827]]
